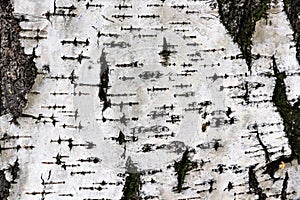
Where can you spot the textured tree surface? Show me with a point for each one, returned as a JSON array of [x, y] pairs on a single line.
[[292, 9], [4, 186], [132, 100], [17, 70], [240, 17]]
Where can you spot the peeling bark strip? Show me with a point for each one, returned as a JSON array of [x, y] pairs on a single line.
[[4, 186], [17, 70], [292, 10], [239, 18], [254, 184]]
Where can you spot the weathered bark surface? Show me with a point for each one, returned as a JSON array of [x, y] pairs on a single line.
[[4, 186], [289, 113], [240, 17], [149, 100], [17, 70], [292, 9]]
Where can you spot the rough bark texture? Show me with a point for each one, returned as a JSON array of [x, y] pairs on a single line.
[[4, 186], [133, 182], [290, 113], [149, 100], [239, 18], [17, 70], [292, 9]]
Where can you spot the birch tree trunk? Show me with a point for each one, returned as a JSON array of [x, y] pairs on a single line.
[[161, 99]]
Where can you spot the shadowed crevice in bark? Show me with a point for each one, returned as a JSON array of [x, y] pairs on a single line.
[[17, 70], [14, 170], [254, 184], [182, 167], [292, 10], [267, 154], [239, 18], [4, 186], [273, 166], [104, 79], [133, 182], [290, 115], [284, 187]]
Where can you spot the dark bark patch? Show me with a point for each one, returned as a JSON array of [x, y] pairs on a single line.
[[292, 10], [239, 18], [4, 186], [17, 70]]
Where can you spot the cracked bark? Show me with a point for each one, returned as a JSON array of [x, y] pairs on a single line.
[[254, 184], [292, 10], [4, 186], [267, 154], [133, 182], [284, 187], [104, 79], [239, 18], [290, 115], [17, 70]]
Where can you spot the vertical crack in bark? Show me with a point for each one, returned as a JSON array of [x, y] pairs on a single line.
[[254, 184], [14, 170], [104, 78], [121, 138], [292, 10], [267, 154], [133, 182], [239, 18], [17, 70], [182, 167], [284, 187], [290, 115]]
